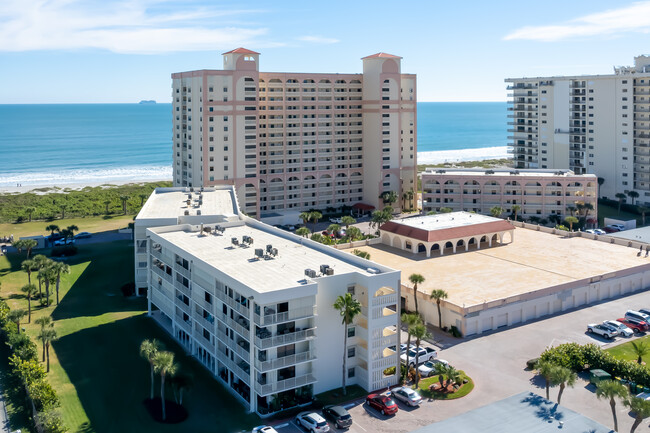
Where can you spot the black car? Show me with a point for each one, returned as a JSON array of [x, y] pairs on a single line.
[[338, 415]]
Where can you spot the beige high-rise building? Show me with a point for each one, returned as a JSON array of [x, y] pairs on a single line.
[[295, 141], [596, 124]]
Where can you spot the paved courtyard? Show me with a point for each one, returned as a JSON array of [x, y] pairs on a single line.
[[497, 364]]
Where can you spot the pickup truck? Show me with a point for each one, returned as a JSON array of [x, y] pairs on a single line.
[[602, 330], [426, 354]]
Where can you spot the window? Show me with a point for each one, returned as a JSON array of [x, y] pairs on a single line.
[[351, 290], [351, 351], [350, 372], [351, 332]]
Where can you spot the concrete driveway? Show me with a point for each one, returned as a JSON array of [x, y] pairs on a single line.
[[496, 362]]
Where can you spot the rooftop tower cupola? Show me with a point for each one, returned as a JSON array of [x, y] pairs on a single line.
[[241, 59]]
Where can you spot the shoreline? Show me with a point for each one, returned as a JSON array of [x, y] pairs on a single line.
[[78, 186]]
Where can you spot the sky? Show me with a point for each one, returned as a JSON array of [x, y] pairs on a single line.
[[110, 51]]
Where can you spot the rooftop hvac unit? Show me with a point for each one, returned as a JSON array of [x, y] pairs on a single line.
[[310, 273], [201, 189], [269, 247], [274, 252], [329, 271], [323, 269], [188, 202], [198, 212], [200, 202], [373, 271], [234, 241], [189, 196], [186, 212], [191, 189], [259, 252]]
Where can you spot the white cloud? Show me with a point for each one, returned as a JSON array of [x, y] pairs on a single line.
[[136, 26], [318, 40], [632, 18]]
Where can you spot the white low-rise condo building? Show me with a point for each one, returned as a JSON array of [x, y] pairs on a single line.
[[586, 123], [254, 304], [537, 193]]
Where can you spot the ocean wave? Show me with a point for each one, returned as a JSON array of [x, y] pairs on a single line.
[[87, 176], [459, 155]]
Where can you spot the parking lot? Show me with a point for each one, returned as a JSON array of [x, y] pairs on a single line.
[[496, 362]]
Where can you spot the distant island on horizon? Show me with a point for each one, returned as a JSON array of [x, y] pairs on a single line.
[[147, 101]]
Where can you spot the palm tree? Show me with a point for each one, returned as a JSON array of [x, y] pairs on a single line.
[[632, 194], [564, 377], [315, 216], [620, 196], [496, 211], [419, 332], [164, 365], [124, 199], [52, 228], [107, 203], [40, 262], [640, 408], [44, 322], [48, 277], [181, 382], [347, 220], [348, 308], [148, 350], [571, 220], [453, 375], [441, 370], [303, 231], [410, 320], [571, 210], [143, 197], [362, 254], [29, 290], [25, 244], [611, 389], [305, 216], [354, 233], [388, 197], [334, 228], [640, 349], [63, 208], [416, 279], [601, 181], [59, 268], [439, 295], [588, 208], [28, 266], [410, 194], [16, 316], [47, 335], [30, 211], [71, 229], [545, 369], [515, 209]]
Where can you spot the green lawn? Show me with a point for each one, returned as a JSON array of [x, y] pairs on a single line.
[[96, 369], [423, 388], [87, 224], [624, 351], [605, 211]]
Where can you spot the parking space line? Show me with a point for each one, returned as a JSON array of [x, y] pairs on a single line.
[[286, 424]]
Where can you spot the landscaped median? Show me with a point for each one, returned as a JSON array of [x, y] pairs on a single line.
[[440, 388]]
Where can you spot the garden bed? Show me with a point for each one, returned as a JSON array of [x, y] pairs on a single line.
[[430, 388]]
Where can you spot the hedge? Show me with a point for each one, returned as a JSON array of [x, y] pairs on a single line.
[[581, 357]]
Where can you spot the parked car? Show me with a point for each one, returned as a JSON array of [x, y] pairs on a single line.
[[644, 311], [596, 231], [264, 429], [402, 348], [382, 403], [620, 227], [83, 235], [336, 220], [63, 241], [338, 415], [620, 327], [610, 229], [636, 315], [407, 395], [426, 354], [312, 422], [429, 368], [54, 236], [603, 330], [637, 326]]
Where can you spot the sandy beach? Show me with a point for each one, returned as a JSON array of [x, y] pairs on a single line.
[[45, 189]]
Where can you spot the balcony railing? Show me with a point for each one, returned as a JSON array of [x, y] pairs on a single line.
[[237, 306], [285, 361], [283, 385], [293, 314], [281, 340]]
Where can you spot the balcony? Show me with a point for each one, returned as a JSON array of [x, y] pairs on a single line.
[[285, 361], [238, 348], [237, 306], [293, 314], [266, 340], [164, 275], [283, 385]]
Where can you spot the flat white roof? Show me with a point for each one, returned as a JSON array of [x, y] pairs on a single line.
[[285, 270], [503, 172], [445, 220], [172, 203]]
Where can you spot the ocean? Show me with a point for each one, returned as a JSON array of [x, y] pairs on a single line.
[[51, 144]]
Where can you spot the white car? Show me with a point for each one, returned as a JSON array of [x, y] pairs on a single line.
[[312, 422], [402, 348], [596, 232], [621, 328], [602, 330], [336, 220], [264, 429], [426, 354], [63, 241], [406, 395], [621, 227], [429, 368]]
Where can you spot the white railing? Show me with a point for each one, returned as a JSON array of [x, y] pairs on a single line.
[[283, 385], [293, 314], [203, 304], [185, 308], [280, 340], [385, 362], [390, 340], [239, 350], [285, 361], [181, 270], [384, 300], [240, 372], [187, 327], [164, 275], [244, 311], [240, 329], [184, 290]]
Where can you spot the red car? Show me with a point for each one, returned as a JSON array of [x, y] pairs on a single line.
[[382, 403], [637, 326]]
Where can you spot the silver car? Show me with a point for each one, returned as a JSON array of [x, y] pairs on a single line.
[[621, 328], [406, 395]]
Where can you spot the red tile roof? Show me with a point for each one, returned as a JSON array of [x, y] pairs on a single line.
[[446, 234], [241, 50], [381, 55]]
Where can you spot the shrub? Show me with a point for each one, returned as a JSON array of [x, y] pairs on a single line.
[[128, 289], [455, 332], [64, 251], [531, 364], [390, 371]]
